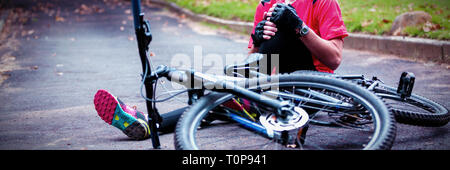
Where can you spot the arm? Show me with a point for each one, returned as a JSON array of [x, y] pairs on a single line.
[[328, 52]]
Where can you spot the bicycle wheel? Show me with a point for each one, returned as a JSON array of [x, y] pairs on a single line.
[[342, 116], [413, 110]]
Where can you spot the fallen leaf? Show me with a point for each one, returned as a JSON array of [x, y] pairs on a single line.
[[99, 10], [84, 7], [152, 54], [353, 10], [51, 12], [34, 67], [386, 21], [30, 32], [59, 73], [427, 27], [128, 11], [124, 22], [433, 6], [122, 28], [429, 143], [131, 38], [366, 23], [59, 19], [397, 9], [410, 6], [8, 59]]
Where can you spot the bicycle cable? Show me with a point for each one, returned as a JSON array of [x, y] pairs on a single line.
[[167, 91]]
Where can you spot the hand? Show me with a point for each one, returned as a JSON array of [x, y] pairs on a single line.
[[263, 31], [285, 16]]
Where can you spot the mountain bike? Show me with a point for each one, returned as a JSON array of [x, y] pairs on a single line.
[[267, 111]]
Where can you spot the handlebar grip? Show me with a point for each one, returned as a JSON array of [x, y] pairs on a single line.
[[178, 76]]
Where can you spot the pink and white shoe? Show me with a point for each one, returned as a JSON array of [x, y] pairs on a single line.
[[114, 112]]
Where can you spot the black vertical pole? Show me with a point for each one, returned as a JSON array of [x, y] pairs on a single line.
[[143, 38]]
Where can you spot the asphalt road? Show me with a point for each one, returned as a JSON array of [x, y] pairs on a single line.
[[63, 57]]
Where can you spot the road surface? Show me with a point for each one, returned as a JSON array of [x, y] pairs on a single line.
[[62, 52]]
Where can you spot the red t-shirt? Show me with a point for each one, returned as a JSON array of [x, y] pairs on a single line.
[[323, 17]]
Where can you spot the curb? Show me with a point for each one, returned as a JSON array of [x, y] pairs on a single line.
[[409, 47]]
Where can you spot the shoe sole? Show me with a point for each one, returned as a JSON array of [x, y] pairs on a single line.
[[110, 111]]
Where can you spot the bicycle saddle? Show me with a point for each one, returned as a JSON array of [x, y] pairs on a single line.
[[252, 63]]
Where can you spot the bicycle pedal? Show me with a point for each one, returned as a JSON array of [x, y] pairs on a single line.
[[406, 84]]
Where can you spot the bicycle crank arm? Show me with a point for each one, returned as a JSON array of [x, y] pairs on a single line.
[[251, 125]]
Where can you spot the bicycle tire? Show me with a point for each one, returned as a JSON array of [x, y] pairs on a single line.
[[414, 110], [384, 130]]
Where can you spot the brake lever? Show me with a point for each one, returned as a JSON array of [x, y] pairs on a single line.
[[147, 35]]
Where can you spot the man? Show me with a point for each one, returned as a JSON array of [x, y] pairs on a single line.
[[306, 34]]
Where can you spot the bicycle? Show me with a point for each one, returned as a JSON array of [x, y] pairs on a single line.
[[266, 112]]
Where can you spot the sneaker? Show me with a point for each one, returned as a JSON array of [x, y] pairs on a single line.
[[114, 112]]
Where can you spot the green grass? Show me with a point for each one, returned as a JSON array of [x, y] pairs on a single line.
[[363, 16], [242, 10], [376, 16]]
